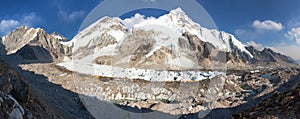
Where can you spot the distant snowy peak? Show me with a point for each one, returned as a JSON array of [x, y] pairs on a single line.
[[58, 36]]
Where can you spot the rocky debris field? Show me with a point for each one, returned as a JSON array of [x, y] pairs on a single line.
[[237, 88], [285, 104]]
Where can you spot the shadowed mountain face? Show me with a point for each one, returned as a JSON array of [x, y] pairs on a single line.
[[34, 54], [2, 48]]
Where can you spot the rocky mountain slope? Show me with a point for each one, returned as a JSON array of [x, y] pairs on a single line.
[[16, 98], [31, 44]]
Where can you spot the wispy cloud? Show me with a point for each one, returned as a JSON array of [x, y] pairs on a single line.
[[257, 46], [71, 16], [150, 1], [8, 25], [294, 34], [29, 19], [267, 25]]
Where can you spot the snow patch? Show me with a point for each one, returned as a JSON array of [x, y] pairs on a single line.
[[3, 38], [105, 51], [68, 43], [58, 37], [117, 34]]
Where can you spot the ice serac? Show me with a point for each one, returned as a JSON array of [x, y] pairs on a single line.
[[34, 44]]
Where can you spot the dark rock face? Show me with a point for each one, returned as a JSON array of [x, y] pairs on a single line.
[[10, 108], [2, 48], [12, 90], [11, 83], [205, 50], [35, 53]]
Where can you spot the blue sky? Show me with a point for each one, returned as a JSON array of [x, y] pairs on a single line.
[[262, 23]]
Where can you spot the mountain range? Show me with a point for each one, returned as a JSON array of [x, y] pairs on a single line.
[[170, 42]]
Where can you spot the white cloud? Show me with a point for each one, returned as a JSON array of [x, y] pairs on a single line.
[[7, 25], [257, 46], [30, 19], [71, 16], [136, 19], [246, 34], [267, 25], [294, 34]]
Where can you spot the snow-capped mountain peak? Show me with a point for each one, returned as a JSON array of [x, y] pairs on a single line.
[[177, 11], [179, 16], [174, 36], [177, 20]]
